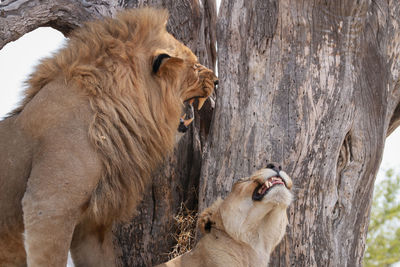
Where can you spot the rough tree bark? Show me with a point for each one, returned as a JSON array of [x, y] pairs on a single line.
[[315, 86], [18, 17]]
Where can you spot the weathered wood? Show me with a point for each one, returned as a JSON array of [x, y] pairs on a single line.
[[314, 85], [18, 17]]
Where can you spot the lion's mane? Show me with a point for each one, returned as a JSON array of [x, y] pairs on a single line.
[[131, 128]]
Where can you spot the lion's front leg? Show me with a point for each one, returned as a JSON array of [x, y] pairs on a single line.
[[58, 190], [48, 233]]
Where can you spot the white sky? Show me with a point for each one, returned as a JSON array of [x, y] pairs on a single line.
[[17, 61]]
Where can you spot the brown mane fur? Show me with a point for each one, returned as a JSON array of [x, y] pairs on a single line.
[[131, 129]]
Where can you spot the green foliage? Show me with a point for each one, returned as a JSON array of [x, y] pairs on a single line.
[[383, 240]]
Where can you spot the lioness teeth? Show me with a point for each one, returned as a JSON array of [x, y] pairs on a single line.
[[262, 190], [201, 102]]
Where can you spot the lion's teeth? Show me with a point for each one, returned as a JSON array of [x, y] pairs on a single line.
[[260, 191], [201, 102], [187, 122]]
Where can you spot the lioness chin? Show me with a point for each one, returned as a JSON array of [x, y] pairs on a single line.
[[244, 228]]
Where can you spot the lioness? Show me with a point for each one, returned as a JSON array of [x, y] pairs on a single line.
[[97, 118], [243, 229]]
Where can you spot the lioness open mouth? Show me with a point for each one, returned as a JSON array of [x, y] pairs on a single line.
[[262, 189]]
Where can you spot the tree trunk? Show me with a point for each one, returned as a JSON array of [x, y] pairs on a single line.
[[313, 85]]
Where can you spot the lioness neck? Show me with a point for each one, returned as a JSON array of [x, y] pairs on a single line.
[[216, 249]]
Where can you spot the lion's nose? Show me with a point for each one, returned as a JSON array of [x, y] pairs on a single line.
[[275, 166]]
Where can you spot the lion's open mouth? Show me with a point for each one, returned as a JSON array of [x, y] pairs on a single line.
[[188, 114], [262, 189]]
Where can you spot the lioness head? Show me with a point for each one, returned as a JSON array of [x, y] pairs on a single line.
[[254, 212]]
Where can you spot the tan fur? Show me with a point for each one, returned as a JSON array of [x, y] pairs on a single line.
[[238, 231], [96, 120]]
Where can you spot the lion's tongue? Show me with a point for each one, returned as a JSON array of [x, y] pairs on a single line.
[[277, 182]]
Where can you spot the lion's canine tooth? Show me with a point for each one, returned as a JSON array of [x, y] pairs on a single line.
[[260, 190], [187, 122], [201, 102]]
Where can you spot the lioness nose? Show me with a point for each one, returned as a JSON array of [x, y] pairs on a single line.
[[275, 166]]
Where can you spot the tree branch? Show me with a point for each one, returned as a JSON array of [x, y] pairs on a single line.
[[394, 121], [18, 17]]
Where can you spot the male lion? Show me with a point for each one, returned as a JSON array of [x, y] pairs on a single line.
[[243, 229], [96, 119]]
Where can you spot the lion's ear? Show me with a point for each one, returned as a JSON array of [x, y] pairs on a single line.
[[164, 64], [207, 218], [158, 60]]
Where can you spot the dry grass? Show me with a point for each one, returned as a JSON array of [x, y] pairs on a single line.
[[186, 231]]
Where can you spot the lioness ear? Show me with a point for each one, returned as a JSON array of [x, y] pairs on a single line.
[[207, 218], [164, 64], [205, 222]]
